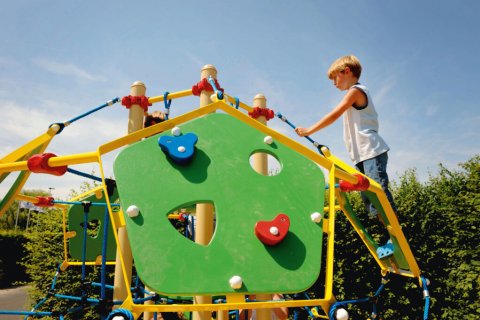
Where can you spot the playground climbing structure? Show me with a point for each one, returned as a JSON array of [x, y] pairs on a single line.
[[269, 229]]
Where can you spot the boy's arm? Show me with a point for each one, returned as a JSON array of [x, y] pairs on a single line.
[[351, 97]]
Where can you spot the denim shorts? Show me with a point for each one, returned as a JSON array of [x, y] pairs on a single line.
[[376, 169]]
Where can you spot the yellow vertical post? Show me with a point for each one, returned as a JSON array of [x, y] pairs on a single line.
[[260, 165], [120, 288], [204, 211]]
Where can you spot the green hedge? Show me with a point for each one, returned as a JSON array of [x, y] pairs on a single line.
[[11, 254]]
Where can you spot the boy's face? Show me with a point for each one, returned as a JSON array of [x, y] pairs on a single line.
[[343, 79]]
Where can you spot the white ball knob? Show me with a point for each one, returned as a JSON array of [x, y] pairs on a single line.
[[341, 314], [176, 131], [181, 149], [316, 217], [55, 127], [274, 231], [236, 282], [268, 140], [133, 211]]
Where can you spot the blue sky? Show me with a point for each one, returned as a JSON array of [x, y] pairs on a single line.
[[59, 59]]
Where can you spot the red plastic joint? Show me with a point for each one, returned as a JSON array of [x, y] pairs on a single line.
[[142, 101], [204, 85], [45, 201], [257, 112], [362, 184], [38, 163]]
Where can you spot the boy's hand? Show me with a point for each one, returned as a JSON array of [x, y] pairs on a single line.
[[302, 132]]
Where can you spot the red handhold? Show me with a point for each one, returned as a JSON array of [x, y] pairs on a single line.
[[273, 232], [183, 216], [362, 184], [38, 163], [45, 201]]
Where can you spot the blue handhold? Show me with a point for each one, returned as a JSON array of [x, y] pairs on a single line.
[[386, 250], [179, 148]]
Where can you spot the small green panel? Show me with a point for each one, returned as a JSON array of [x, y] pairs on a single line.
[[220, 173], [400, 259], [96, 222]]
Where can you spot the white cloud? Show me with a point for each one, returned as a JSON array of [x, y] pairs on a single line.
[[381, 96], [67, 70]]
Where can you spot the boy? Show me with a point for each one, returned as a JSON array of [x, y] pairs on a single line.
[[153, 118], [367, 149]]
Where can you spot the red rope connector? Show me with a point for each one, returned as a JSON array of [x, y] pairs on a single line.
[[142, 101], [204, 85], [44, 201], [257, 112], [361, 185], [38, 163]]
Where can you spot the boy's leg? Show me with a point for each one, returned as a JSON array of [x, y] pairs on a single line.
[[376, 168]]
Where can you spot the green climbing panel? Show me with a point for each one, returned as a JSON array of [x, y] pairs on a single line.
[[96, 221], [220, 173]]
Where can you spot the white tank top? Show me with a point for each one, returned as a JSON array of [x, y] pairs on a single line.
[[360, 130]]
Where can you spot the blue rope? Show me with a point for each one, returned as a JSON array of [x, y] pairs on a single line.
[[83, 174], [91, 203], [167, 104], [74, 298], [426, 296], [343, 304], [69, 122], [328, 186], [121, 312], [98, 284], [315, 144], [109, 103], [52, 288], [218, 92]]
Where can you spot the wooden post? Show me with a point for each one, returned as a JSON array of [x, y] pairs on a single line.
[[260, 160], [260, 165], [204, 211], [120, 290]]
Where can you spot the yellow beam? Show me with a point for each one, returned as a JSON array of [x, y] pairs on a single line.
[[173, 95]]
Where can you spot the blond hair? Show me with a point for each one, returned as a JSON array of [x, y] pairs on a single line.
[[340, 64]]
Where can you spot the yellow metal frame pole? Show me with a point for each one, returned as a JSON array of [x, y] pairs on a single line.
[[120, 288]]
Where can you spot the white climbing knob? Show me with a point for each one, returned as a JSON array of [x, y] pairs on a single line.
[[176, 131], [274, 231], [181, 149], [236, 282], [341, 314], [316, 217], [133, 211], [268, 140]]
